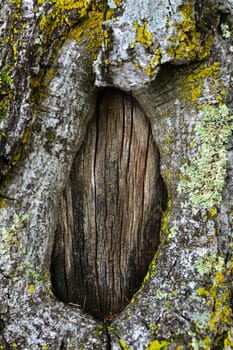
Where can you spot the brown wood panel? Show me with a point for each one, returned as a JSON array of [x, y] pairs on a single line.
[[110, 211]]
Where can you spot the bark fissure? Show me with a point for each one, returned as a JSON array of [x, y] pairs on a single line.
[[113, 220]]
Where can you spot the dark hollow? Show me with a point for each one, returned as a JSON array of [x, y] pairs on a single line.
[[110, 212]]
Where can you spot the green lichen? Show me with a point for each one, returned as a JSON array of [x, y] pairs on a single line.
[[12, 246], [6, 90], [6, 82], [160, 295], [10, 240], [204, 178], [225, 30], [31, 273], [99, 330], [209, 264]]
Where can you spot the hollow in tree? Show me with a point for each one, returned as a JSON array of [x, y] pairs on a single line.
[[110, 211]]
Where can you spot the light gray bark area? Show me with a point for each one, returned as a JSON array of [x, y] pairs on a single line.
[[168, 306]]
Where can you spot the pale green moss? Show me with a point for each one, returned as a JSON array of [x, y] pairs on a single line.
[[204, 178], [209, 264], [11, 245], [160, 295], [10, 240], [226, 31]]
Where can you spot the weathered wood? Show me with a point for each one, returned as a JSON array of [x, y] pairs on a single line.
[[110, 211]]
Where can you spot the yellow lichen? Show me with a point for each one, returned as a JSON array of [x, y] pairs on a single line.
[[213, 212], [72, 4], [197, 78], [220, 301], [159, 345], [202, 292], [59, 15], [2, 203], [152, 66], [118, 3], [166, 229], [43, 22], [186, 44], [106, 38], [31, 289], [89, 32], [192, 84], [143, 34], [228, 341], [25, 136], [123, 345]]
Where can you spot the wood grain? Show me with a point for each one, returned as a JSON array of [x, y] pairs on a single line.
[[110, 211]]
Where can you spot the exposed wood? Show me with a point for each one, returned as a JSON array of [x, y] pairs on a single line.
[[110, 211]]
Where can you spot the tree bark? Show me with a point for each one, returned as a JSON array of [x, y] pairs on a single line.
[[174, 59]]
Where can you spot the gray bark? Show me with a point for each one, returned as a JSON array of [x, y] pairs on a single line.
[[175, 58]]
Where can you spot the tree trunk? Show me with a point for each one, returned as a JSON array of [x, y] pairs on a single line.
[[116, 168]]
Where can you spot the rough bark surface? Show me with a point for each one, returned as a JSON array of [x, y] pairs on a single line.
[[176, 59], [110, 212]]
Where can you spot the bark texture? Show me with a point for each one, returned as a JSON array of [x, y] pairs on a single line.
[[110, 213], [175, 58]]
